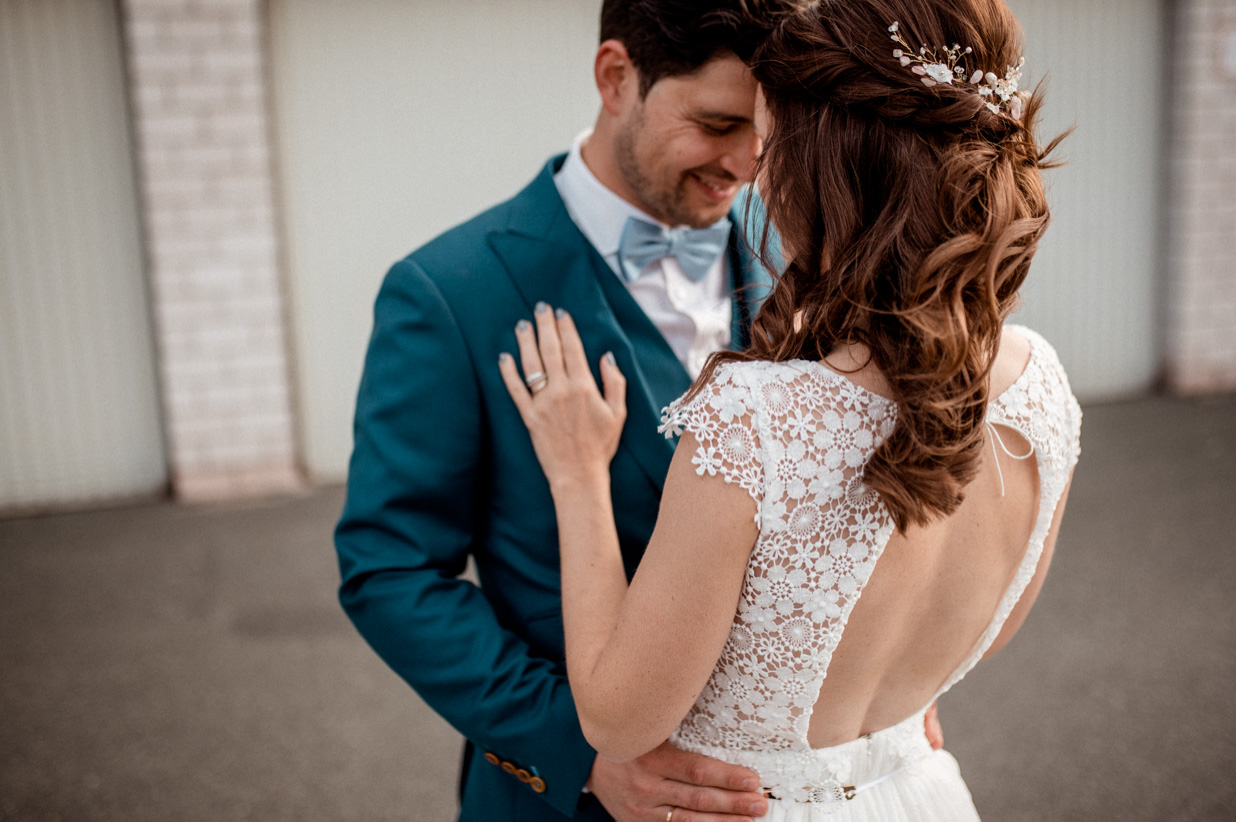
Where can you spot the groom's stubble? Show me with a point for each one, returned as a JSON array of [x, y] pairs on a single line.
[[665, 198]]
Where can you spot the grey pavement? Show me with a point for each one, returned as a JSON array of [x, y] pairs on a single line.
[[163, 662]]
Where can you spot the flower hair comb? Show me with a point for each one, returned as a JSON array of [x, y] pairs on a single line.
[[945, 68]]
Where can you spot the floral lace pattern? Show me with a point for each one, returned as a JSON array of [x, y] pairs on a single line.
[[797, 436]]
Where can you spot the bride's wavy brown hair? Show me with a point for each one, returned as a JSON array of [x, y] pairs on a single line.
[[909, 215]]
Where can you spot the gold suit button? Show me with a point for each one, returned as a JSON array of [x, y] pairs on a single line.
[[508, 767], [491, 758], [537, 784], [523, 775]]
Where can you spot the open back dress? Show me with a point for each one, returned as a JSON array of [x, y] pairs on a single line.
[[797, 436]]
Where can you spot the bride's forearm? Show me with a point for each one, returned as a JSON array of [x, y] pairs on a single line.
[[594, 586], [639, 655]]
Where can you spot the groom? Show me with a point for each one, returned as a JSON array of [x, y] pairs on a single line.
[[443, 468]]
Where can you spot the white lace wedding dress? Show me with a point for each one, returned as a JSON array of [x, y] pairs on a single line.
[[797, 435]]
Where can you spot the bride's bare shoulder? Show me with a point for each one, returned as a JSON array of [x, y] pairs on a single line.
[[1011, 360], [853, 360]]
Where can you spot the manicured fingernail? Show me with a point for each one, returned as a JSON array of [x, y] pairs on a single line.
[[560, 313], [756, 809], [503, 357], [609, 358], [750, 785], [541, 308], [522, 325]]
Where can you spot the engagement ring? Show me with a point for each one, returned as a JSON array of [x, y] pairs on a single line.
[[536, 382]]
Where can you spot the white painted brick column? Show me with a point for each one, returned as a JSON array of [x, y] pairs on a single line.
[[1201, 327], [198, 85]]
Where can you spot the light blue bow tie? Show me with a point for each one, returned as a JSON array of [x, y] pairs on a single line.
[[695, 249]]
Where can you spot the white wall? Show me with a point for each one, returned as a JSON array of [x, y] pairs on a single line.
[[395, 120], [1096, 287], [79, 418]]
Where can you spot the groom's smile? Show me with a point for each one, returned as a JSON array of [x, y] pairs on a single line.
[[715, 190]]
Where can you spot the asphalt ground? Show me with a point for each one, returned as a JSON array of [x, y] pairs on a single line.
[[162, 662]]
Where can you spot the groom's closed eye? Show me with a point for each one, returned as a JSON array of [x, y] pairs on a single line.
[[719, 124]]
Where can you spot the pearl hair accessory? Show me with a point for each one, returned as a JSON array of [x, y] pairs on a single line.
[[945, 68]]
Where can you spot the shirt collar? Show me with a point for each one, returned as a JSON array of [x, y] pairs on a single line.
[[600, 213]]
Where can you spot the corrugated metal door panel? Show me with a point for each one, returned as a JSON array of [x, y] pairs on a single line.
[[79, 415], [416, 117], [1094, 289]]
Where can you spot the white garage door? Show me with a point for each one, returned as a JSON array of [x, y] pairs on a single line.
[[79, 413], [396, 120], [1096, 287]]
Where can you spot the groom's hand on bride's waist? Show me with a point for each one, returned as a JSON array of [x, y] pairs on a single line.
[[931, 724], [699, 789]]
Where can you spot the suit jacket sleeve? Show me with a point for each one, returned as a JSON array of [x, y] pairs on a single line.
[[412, 514]]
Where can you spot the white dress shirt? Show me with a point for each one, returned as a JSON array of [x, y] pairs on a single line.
[[694, 317]]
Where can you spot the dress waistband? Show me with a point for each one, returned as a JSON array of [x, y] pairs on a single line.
[[836, 773]]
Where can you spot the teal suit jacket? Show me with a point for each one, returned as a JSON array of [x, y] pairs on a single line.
[[443, 469]]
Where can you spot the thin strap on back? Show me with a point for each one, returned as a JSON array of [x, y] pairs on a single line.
[[995, 438]]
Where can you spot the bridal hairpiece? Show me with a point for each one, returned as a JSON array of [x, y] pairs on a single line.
[[945, 68]]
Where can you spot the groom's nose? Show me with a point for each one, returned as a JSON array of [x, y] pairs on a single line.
[[740, 154]]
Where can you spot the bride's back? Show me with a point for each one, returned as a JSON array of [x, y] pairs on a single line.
[[845, 624], [935, 588]]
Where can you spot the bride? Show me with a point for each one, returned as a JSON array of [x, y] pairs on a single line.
[[865, 502]]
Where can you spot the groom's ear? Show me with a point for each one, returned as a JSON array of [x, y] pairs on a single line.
[[616, 77]]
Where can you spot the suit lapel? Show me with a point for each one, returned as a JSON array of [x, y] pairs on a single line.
[[549, 259], [663, 376]]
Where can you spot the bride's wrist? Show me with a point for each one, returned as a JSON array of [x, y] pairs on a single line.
[[587, 485]]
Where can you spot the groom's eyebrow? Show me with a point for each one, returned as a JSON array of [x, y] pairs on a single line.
[[722, 116]]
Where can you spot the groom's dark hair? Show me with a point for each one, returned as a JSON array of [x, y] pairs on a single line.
[[666, 38]]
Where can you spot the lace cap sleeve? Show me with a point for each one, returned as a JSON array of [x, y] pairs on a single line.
[[722, 417]]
